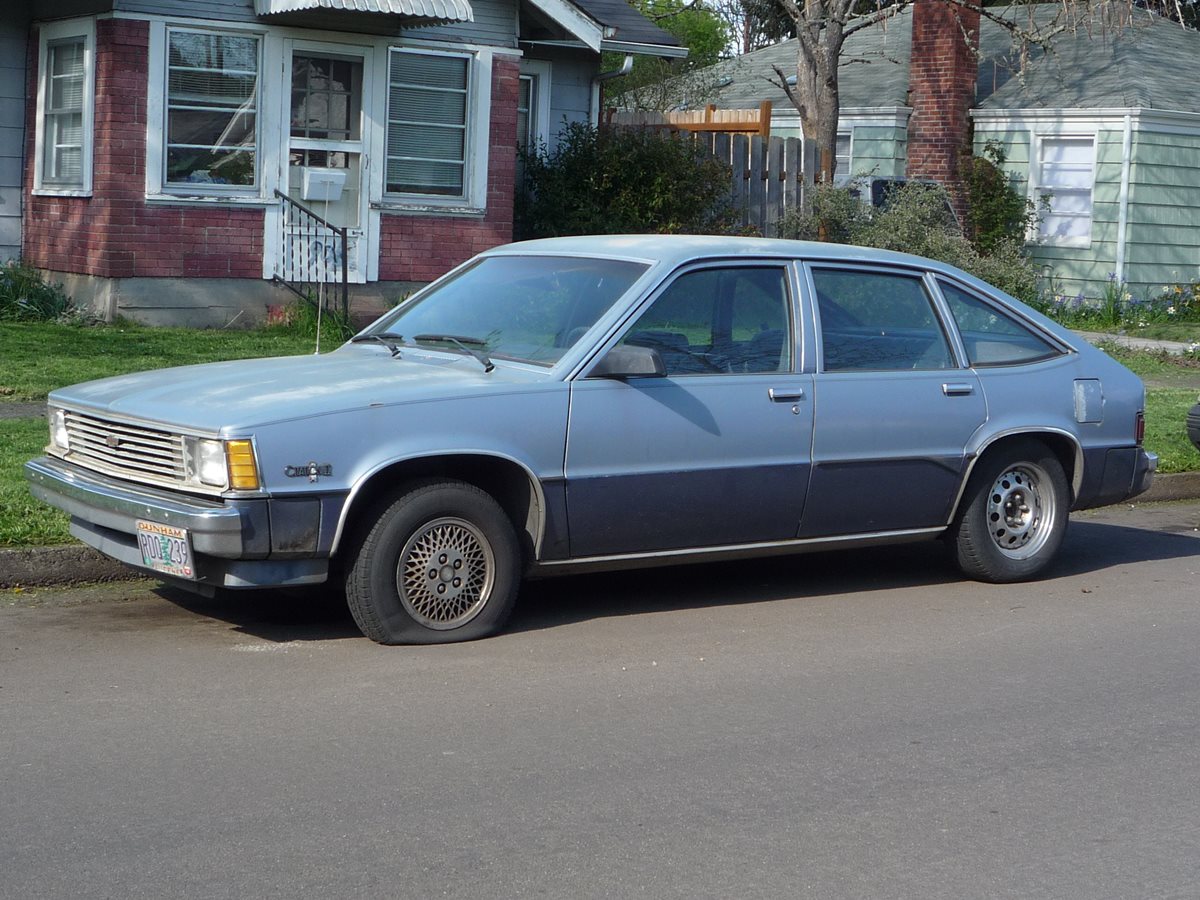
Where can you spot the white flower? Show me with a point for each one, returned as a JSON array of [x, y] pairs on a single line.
[[1170, 310]]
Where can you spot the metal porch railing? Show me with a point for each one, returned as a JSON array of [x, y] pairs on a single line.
[[313, 261]]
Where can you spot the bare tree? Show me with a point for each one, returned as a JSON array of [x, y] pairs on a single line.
[[822, 27]]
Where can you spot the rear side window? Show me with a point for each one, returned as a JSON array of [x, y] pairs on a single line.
[[991, 336], [881, 321]]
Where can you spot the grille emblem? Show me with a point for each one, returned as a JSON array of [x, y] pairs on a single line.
[[112, 441]]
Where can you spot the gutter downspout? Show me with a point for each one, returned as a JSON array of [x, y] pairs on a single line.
[[597, 80], [1123, 198]]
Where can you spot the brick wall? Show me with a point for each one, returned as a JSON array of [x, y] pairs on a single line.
[[941, 80], [115, 233], [420, 248]]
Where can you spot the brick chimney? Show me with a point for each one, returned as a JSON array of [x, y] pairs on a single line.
[[941, 81]]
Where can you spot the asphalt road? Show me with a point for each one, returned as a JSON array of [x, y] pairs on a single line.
[[846, 725]]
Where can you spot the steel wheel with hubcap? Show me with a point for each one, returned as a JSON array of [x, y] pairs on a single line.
[[440, 564], [1013, 515]]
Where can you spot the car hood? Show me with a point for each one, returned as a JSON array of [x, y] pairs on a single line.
[[242, 394]]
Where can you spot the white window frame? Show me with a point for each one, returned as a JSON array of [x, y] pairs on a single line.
[[540, 71], [61, 32], [1037, 189], [849, 173], [157, 186], [475, 176]]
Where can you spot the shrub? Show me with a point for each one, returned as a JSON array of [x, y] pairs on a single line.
[[996, 211], [621, 180], [25, 296], [916, 220]]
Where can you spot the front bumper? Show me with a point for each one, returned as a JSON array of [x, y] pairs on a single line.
[[231, 540]]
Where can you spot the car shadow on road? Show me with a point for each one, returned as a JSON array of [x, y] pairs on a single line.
[[280, 616], [320, 613]]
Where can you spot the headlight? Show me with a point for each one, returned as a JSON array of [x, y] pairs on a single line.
[[59, 439], [204, 462], [221, 464]]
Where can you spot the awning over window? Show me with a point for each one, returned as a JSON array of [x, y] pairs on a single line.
[[429, 10]]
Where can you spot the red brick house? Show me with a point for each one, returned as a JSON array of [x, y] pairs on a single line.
[[156, 134]]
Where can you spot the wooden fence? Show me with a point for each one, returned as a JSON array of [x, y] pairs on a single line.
[[771, 176]]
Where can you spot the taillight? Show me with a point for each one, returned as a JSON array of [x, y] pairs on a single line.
[[1139, 428]]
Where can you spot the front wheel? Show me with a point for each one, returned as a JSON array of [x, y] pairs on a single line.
[[1014, 514], [441, 564]]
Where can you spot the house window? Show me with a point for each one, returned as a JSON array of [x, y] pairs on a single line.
[[842, 154], [211, 110], [64, 127], [526, 104], [428, 110], [1065, 174]]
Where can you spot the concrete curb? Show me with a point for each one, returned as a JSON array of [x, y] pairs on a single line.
[[74, 563]]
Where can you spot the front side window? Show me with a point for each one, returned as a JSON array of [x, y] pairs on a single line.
[[880, 321], [428, 110], [990, 336], [720, 321], [63, 163], [1064, 176], [212, 110]]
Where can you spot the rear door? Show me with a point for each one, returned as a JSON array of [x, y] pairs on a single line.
[[717, 452], [894, 404]]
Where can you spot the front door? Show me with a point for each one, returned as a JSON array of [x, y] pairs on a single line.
[[714, 454], [325, 164]]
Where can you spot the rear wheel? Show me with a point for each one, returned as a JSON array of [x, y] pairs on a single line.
[[440, 564], [1014, 514]]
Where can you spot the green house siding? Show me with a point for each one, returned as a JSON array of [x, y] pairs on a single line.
[[1163, 223], [1164, 211], [879, 150]]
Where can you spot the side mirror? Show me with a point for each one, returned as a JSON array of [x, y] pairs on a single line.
[[629, 361]]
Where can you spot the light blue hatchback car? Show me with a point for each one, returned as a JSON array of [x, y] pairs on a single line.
[[607, 402]]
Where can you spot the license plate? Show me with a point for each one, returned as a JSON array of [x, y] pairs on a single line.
[[166, 549]]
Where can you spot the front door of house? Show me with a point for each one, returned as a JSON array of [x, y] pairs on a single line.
[[325, 166]]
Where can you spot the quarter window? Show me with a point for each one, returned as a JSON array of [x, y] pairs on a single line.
[[428, 108], [992, 337], [1064, 176], [718, 321], [877, 321], [212, 109]]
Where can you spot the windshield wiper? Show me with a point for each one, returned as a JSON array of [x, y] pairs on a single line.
[[382, 337], [461, 343]]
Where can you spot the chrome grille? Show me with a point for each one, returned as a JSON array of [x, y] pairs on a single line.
[[128, 451]]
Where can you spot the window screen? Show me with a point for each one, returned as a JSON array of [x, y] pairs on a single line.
[[427, 123], [212, 109], [62, 165]]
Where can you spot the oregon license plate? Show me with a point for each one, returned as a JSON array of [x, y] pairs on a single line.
[[166, 549]]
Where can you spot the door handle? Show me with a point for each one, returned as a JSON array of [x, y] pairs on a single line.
[[785, 396], [957, 388]]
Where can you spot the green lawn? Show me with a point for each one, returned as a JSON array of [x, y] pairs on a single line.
[[23, 520], [38, 358]]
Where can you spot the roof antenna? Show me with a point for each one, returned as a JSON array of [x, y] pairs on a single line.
[[317, 349]]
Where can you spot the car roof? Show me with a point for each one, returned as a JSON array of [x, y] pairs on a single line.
[[674, 249]]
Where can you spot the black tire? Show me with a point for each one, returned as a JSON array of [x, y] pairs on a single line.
[[1013, 514], [440, 564]]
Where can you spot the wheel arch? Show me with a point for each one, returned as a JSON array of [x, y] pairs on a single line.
[[505, 479], [1064, 445]]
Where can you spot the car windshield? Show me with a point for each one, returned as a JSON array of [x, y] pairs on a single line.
[[525, 308]]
